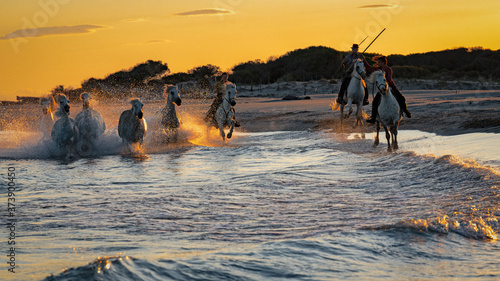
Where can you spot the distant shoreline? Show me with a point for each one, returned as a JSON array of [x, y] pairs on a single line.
[[444, 112], [278, 90]]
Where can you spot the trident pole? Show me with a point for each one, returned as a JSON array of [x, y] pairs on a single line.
[[373, 40]]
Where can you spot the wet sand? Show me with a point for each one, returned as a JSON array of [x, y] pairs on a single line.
[[443, 112]]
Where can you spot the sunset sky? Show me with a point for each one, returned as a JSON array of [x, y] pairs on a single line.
[[45, 43]]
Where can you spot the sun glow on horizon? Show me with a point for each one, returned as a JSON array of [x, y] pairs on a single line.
[[45, 44]]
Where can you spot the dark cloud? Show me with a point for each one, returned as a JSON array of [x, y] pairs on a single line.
[[53, 30], [204, 12]]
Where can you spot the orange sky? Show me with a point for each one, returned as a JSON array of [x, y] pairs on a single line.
[[44, 43]]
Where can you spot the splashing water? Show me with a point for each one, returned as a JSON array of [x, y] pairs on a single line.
[[271, 205]]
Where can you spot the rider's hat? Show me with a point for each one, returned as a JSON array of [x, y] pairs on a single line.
[[355, 46]]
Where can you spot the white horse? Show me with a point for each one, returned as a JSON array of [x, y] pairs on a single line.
[[224, 116], [169, 117], [132, 127], [355, 93], [389, 113], [47, 121], [65, 132], [90, 125]]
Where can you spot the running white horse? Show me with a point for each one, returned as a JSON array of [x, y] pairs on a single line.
[[224, 116], [169, 117], [47, 121], [132, 127], [65, 132], [355, 93], [389, 113], [90, 125]]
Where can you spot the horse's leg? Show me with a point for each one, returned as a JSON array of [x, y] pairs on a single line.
[[388, 137], [220, 122], [377, 140], [70, 156], [175, 135], [342, 117], [395, 137], [230, 133], [349, 104], [207, 133], [359, 110]]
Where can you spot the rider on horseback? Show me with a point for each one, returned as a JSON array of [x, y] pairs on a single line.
[[382, 65], [348, 64], [219, 89]]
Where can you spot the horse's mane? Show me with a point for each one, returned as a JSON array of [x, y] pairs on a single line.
[[230, 85], [59, 98], [374, 75], [169, 87], [85, 96], [134, 101], [48, 100]]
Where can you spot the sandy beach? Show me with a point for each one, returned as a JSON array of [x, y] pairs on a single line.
[[445, 112]]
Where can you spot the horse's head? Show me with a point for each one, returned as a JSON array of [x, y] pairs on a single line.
[[231, 93], [63, 106], [86, 99], [378, 77], [137, 108], [172, 94], [47, 104], [359, 67]]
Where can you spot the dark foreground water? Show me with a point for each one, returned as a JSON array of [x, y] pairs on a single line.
[[267, 206]]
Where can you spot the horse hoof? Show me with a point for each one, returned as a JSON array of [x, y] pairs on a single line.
[[229, 135], [70, 157]]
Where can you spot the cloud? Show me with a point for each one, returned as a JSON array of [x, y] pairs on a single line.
[[205, 12], [378, 6], [137, 19], [156, 41], [50, 31]]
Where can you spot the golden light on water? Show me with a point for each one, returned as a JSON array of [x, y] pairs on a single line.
[[105, 263], [334, 105], [199, 134]]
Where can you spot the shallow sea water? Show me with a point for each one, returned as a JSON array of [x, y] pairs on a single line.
[[264, 206]]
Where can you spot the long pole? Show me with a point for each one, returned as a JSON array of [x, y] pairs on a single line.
[[363, 41], [373, 40]]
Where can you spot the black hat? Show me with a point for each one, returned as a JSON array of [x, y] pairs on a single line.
[[355, 46]]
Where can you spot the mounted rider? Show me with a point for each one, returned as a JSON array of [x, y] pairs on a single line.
[[348, 65], [382, 65], [220, 86]]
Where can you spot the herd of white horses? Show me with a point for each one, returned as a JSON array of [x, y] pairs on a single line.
[[79, 136]]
